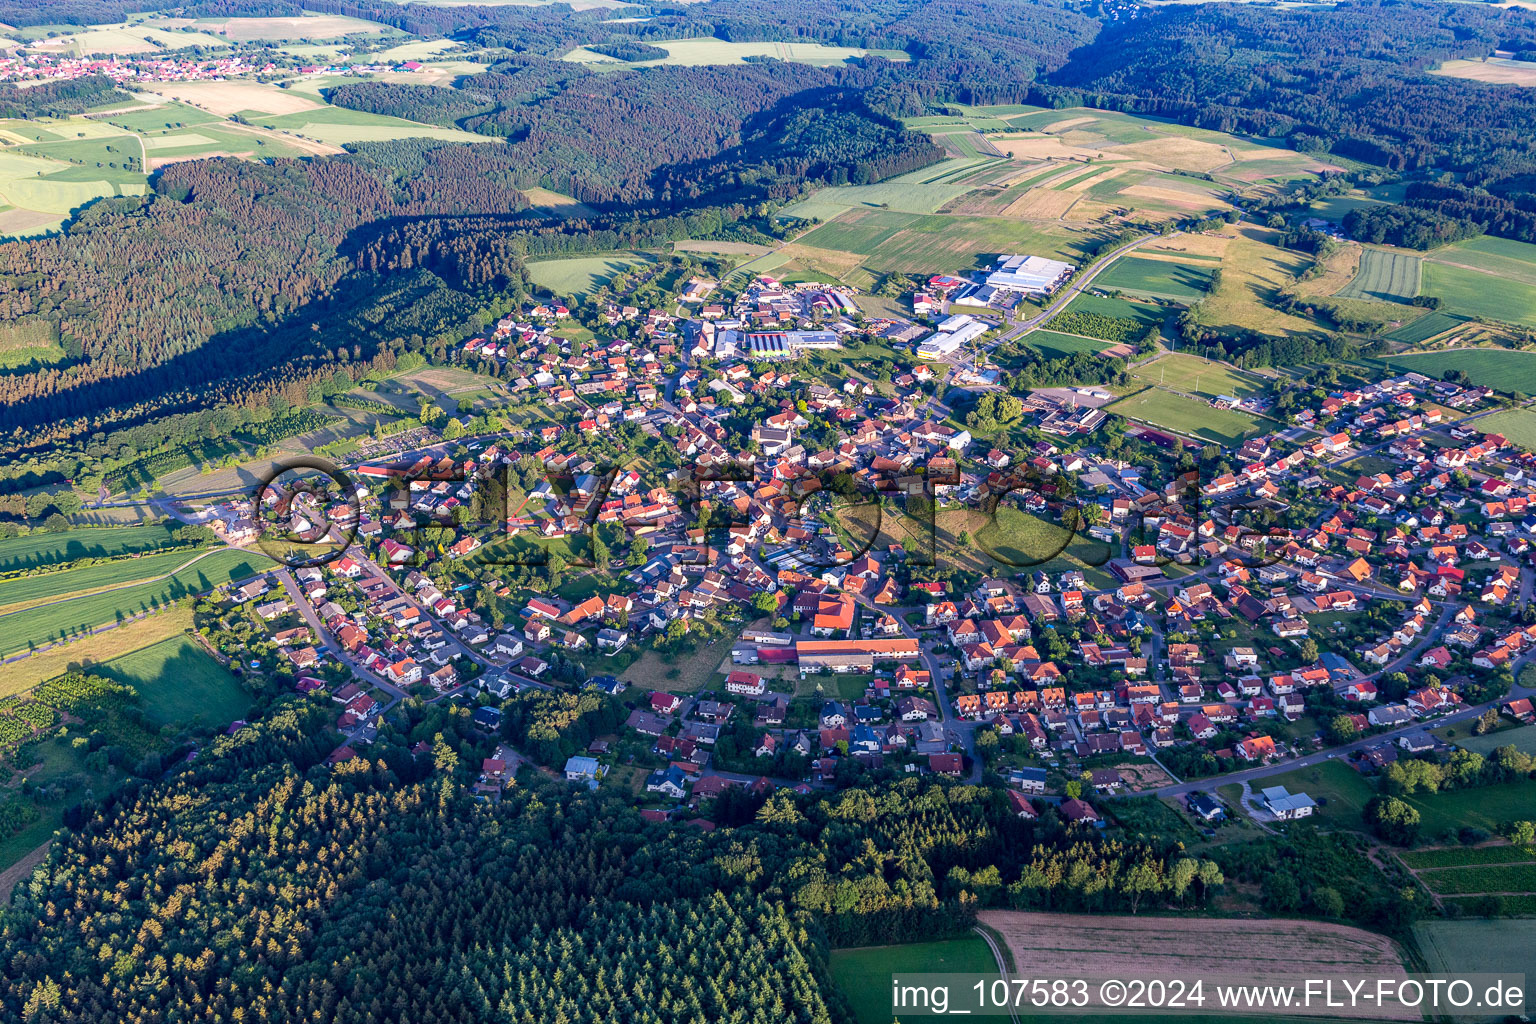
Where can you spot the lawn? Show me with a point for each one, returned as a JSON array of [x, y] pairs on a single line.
[[863, 974], [1519, 425], [694, 670], [178, 681], [43, 623], [1345, 791], [38, 549], [582, 274], [1019, 540], [1160, 279], [1386, 276], [1182, 372], [1500, 368], [1190, 417], [1522, 739]]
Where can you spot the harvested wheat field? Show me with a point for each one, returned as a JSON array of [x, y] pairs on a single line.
[[1083, 184], [1208, 244], [1221, 951], [1042, 204], [1173, 196], [1043, 147], [234, 97], [1179, 153], [1071, 122], [1494, 71]]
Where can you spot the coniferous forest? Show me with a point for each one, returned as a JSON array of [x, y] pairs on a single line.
[[259, 883]]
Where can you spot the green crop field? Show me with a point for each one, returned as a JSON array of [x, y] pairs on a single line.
[[1466, 881], [1426, 327], [582, 274], [1519, 425], [1183, 372], [44, 623], [1479, 294], [340, 125], [154, 119], [909, 197], [1159, 279], [178, 681], [90, 577], [909, 243], [1503, 257], [1499, 368], [93, 542], [1190, 417], [1478, 946], [1387, 276], [1055, 345], [1463, 856], [864, 974]]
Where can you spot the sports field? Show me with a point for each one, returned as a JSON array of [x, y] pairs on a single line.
[[582, 274], [1388, 276], [1500, 368], [178, 681], [1161, 279], [1191, 417], [1182, 372]]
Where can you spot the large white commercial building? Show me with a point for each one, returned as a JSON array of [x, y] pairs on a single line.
[[1034, 275], [954, 333]]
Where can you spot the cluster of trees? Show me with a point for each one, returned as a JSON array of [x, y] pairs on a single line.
[[1508, 214], [59, 99], [1412, 227], [631, 50]]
